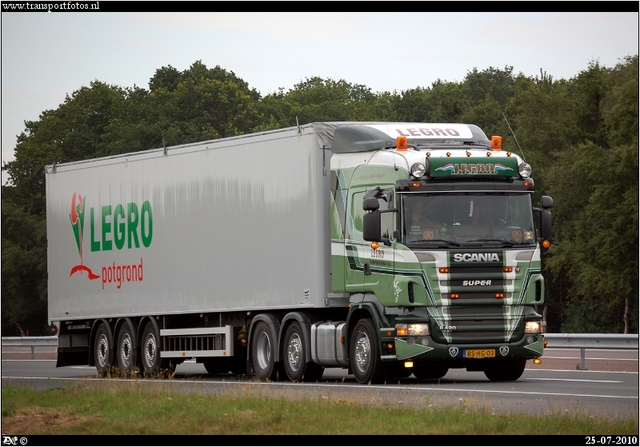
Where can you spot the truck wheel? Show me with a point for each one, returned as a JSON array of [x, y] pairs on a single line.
[[263, 349], [430, 371], [364, 353], [152, 364], [103, 351], [294, 355], [126, 355], [506, 370]]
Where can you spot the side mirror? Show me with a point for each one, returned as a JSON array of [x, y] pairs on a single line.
[[370, 204], [371, 226], [546, 202]]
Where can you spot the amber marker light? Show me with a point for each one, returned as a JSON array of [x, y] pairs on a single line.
[[415, 184], [507, 269], [443, 269], [448, 154], [454, 296], [375, 245], [488, 154], [401, 143], [527, 184], [546, 243], [499, 295], [537, 361], [468, 154], [496, 143]]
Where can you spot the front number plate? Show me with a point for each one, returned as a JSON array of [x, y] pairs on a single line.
[[479, 353]]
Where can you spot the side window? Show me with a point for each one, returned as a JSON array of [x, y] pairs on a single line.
[[354, 218], [387, 219]]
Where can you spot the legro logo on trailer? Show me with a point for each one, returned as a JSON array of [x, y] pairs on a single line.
[[122, 227]]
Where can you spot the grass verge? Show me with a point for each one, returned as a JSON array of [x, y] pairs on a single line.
[[132, 409]]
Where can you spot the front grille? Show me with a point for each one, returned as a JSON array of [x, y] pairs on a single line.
[[476, 315], [480, 324]]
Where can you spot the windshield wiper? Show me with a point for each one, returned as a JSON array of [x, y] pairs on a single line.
[[446, 241], [503, 241]]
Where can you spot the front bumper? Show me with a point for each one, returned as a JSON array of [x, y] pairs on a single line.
[[425, 348]]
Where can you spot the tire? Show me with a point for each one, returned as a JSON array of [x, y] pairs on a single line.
[[430, 371], [294, 355], [507, 370], [364, 353], [126, 354], [263, 350], [152, 364], [103, 351]]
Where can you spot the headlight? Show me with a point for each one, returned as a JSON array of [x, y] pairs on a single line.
[[532, 327], [524, 170], [412, 330], [418, 170]]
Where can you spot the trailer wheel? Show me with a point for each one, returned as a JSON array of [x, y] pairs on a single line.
[[364, 353], [152, 364], [294, 356], [103, 351], [126, 355], [506, 370], [263, 349]]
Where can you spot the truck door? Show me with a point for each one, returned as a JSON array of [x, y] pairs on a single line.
[[364, 264]]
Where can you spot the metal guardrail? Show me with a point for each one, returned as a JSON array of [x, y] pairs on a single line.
[[591, 341], [581, 341], [31, 342]]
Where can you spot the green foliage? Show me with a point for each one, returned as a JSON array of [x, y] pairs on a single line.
[[24, 269], [596, 257], [580, 135], [317, 99]]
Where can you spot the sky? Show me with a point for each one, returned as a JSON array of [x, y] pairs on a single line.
[[47, 56]]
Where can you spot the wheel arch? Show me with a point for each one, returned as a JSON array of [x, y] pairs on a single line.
[[367, 308]]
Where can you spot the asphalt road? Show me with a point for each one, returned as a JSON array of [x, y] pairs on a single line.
[[607, 388]]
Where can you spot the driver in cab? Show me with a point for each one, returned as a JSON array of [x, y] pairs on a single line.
[[420, 225]]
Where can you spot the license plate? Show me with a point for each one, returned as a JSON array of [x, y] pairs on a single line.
[[479, 353]]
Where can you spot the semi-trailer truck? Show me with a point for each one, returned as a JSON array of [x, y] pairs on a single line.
[[387, 249]]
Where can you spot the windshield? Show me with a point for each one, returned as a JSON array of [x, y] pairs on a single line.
[[467, 219]]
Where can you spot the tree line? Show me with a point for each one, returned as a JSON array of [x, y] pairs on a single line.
[[580, 135]]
